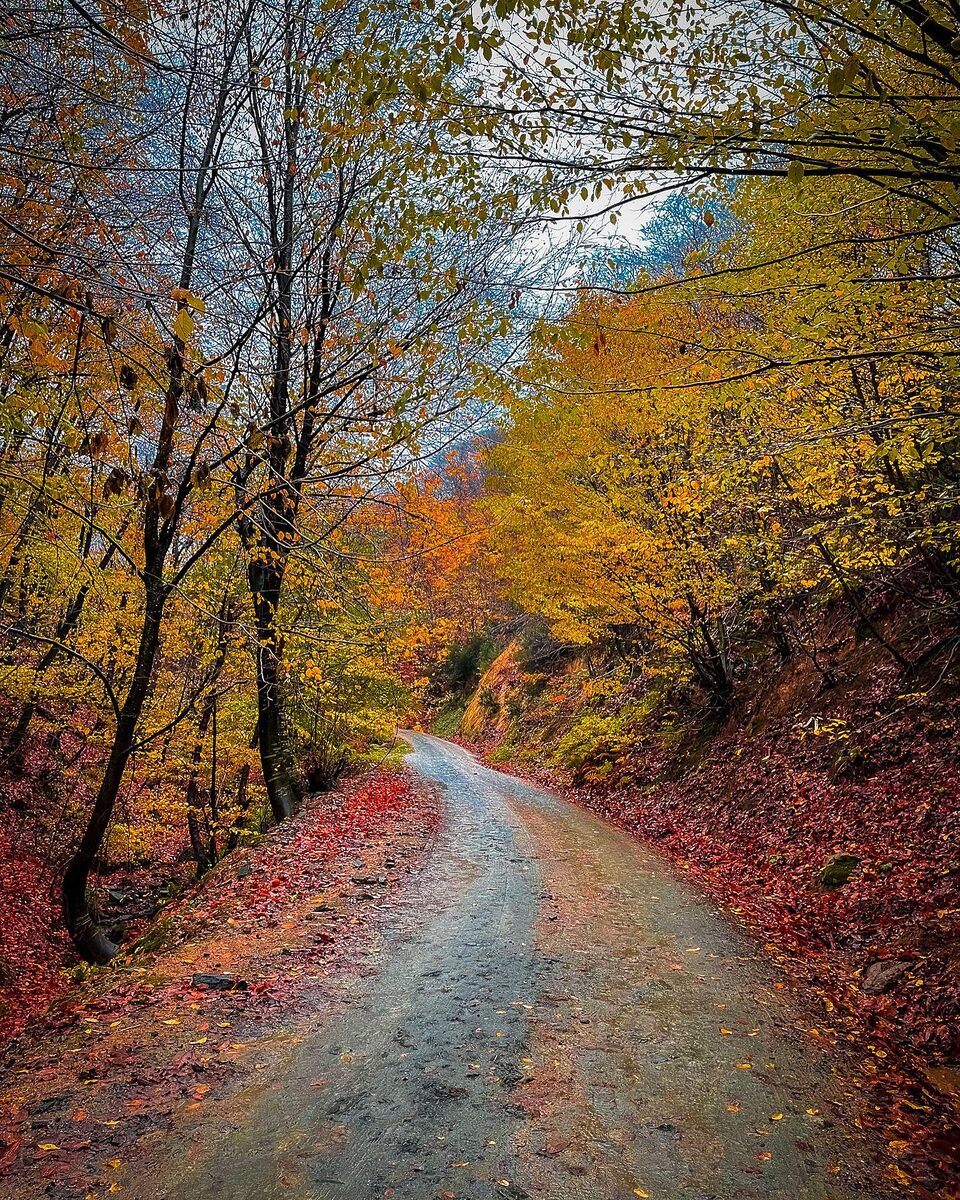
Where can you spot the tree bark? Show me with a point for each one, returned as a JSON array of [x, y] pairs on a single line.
[[88, 937], [278, 775]]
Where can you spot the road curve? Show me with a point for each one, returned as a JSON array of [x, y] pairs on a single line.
[[557, 1016]]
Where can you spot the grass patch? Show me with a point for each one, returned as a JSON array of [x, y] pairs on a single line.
[[447, 722]]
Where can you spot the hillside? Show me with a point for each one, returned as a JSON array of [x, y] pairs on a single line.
[[826, 818]]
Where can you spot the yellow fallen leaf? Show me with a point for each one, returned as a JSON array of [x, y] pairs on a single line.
[[745, 1066], [733, 1108], [641, 1192], [776, 1116], [116, 1163], [726, 1032], [48, 1146], [170, 1021]]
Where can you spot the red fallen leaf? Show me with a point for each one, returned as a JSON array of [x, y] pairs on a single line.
[[9, 1148]]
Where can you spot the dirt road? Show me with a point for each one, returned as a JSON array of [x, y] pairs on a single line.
[[556, 1016]]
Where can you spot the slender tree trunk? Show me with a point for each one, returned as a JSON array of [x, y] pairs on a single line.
[[87, 936], [205, 847], [12, 572], [242, 805], [274, 752], [851, 595], [89, 939]]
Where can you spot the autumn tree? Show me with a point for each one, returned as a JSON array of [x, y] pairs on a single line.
[[288, 274]]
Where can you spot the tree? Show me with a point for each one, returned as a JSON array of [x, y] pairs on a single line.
[[287, 276]]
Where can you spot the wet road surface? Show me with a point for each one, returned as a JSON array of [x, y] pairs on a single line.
[[556, 1015]]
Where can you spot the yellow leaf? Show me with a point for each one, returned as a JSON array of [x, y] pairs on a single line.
[[899, 1175], [641, 1192], [183, 325], [48, 1146]]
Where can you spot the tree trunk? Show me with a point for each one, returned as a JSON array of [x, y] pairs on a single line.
[[274, 756], [242, 804], [90, 940], [205, 846]]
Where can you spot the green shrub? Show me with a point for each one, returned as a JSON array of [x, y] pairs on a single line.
[[594, 741], [466, 662]]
